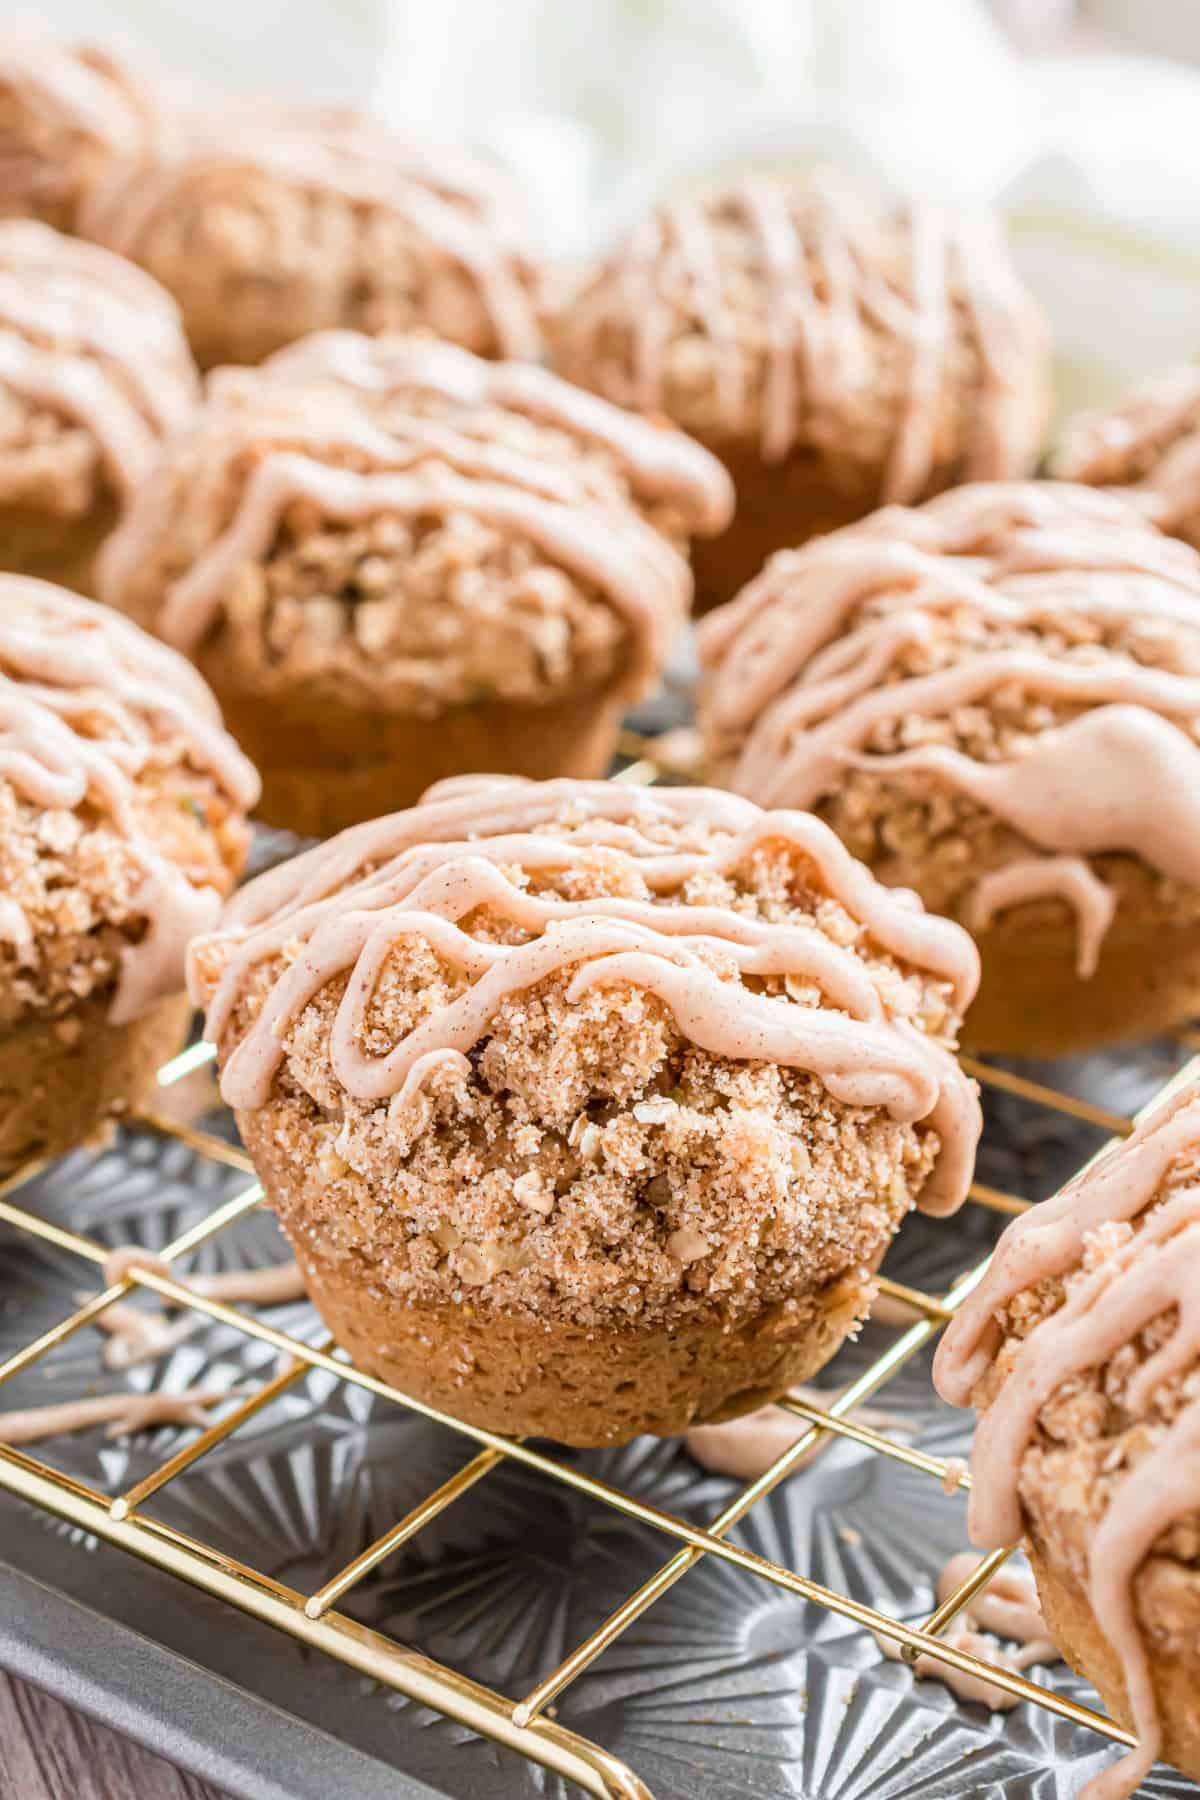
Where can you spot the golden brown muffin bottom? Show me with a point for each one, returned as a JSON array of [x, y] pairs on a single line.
[[61, 1078], [55, 549], [1031, 1002], [1072, 1623], [779, 507], [528, 1376], [326, 764]]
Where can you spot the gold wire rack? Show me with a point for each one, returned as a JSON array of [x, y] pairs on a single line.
[[523, 1723]]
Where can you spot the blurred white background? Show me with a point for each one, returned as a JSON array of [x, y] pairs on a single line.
[[1067, 117]]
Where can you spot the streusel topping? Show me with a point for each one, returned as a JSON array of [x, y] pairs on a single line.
[[805, 315], [992, 698], [1081, 1348], [1148, 446], [94, 371], [598, 1049], [121, 807], [329, 218], [422, 527]]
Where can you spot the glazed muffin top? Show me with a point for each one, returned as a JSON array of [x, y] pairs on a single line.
[[121, 807], [321, 216], [400, 520], [94, 371], [1081, 1348], [604, 1050], [67, 111], [993, 698], [1149, 445], [805, 315]]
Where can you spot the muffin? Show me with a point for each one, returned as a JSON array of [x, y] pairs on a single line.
[[993, 699], [590, 1110], [1081, 1350], [94, 373], [396, 562], [68, 112], [835, 352], [121, 830], [1148, 446], [268, 221]]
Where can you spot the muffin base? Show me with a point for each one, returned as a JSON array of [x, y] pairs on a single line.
[[54, 549], [527, 1376], [1031, 1002], [779, 507], [1072, 1623], [62, 1078], [326, 765]]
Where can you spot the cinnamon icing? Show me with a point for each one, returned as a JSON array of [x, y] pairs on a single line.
[[89, 336], [86, 88], [1147, 446], [1005, 1607], [1149, 1276], [801, 670], [137, 1336], [123, 1414], [449, 201], [338, 393], [64, 661], [429, 868], [826, 298]]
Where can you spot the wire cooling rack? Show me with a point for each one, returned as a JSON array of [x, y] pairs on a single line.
[[523, 1722]]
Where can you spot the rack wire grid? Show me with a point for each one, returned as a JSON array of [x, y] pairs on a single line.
[[523, 1723]]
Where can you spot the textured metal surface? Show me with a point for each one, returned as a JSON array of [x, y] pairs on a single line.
[[727, 1687]]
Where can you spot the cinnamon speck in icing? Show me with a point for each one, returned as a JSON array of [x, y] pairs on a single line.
[[1081, 1348], [121, 806], [992, 697]]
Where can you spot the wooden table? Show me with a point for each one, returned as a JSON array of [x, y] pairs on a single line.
[[49, 1752]]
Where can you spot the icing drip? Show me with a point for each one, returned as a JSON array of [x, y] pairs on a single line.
[[338, 392], [803, 669], [1067, 878], [137, 1336], [432, 867], [745, 1448], [450, 202], [1005, 1607], [123, 1414], [95, 339], [64, 661], [827, 298], [1146, 1277]]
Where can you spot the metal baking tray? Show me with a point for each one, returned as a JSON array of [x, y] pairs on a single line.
[[735, 1684]]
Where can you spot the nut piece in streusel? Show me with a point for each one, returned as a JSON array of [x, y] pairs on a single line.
[[68, 113], [993, 699], [94, 373], [833, 350], [395, 562], [270, 220], [1081, 1350], [122, 829], [591, 1110]]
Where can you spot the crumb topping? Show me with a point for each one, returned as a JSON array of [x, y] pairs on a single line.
[[576, 1149]]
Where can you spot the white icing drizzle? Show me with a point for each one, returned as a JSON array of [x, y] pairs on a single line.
[[338, 392], [431, 867], [802, 668], [93, 338], [1147, 1277], [63, 660], [826, 298], [453, 203]]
